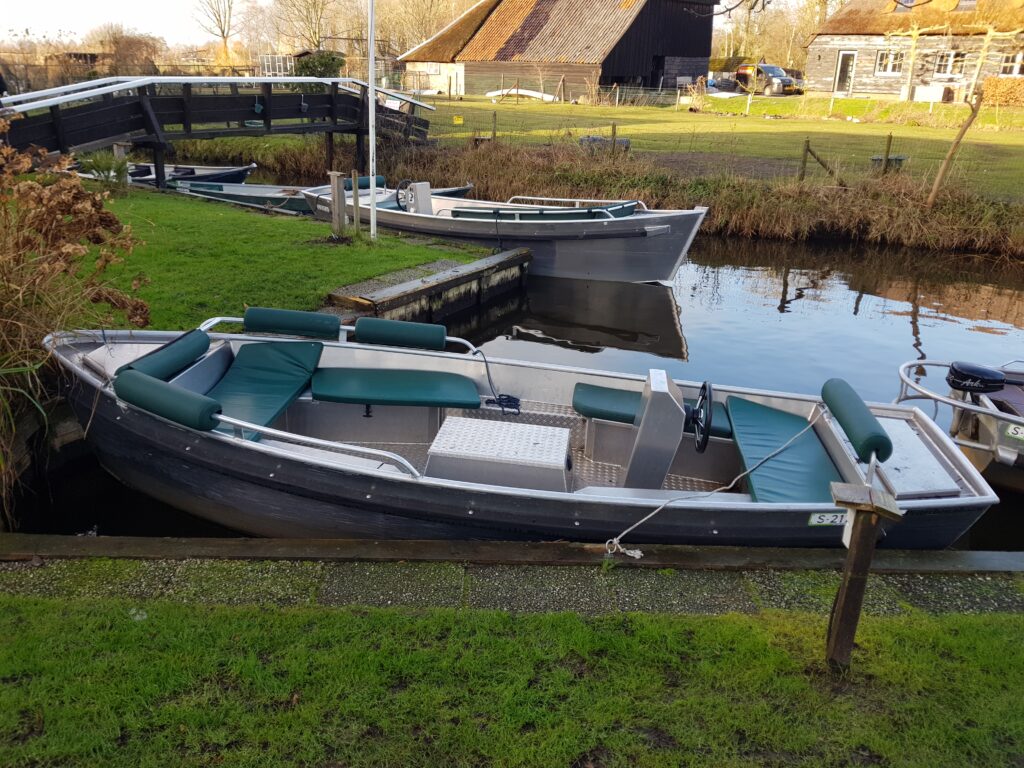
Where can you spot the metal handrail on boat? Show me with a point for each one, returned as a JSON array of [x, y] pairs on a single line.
[[578, 202], [907, 383], [313, 442]]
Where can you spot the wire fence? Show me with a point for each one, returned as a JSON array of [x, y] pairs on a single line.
[[763, 145]]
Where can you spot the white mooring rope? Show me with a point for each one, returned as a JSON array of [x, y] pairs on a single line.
[[614, 546]]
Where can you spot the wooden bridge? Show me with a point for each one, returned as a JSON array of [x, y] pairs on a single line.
[[152, 112]]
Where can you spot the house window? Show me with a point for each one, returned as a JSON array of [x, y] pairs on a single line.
[[889, 63], [1013, 64], [433, 68], [950, 63]]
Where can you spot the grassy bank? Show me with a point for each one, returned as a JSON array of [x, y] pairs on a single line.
[[200, 259], [148, 683]]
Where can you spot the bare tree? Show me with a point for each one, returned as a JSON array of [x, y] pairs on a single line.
[[257, 28], [217, 18], [307, 23], [126, 51]]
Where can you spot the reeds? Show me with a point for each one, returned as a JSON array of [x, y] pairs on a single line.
[[56, 241]]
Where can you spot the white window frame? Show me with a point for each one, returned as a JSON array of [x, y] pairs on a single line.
[[892, 55], [950, 64], [1012, 65]]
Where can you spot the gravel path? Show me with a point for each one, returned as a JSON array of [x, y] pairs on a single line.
[[522, 589]]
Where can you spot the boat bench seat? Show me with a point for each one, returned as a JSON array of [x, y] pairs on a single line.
[[263, 380], [615, 210], [374, 386], [623, 406], [803, 473]]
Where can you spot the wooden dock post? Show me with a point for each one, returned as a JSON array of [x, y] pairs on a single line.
[[885, 157], [355, 200], [494, 125], [803, 159], [338, 215], [866, 506], [615, 133]]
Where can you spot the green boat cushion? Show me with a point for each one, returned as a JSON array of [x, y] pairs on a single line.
[[172, 358], [364, 183], [373, 386], [801, 473], [859, 424], [170, 401], [619, 405], [399, 333], [292, 322], [264, 379], [606, 403]]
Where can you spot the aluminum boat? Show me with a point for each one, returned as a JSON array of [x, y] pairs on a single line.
[[576, 238], [297, 426], [144, 173], [988, 413]]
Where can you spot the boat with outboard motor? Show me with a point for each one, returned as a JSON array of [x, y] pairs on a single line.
[[570, 237], [144, 173], [298, 426], [291, 199], [988, 413]]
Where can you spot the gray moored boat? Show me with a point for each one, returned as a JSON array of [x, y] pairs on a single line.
[[576, 238], [298, 426]]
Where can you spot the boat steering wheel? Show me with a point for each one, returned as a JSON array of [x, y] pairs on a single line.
[[701, 415], [402, 194]]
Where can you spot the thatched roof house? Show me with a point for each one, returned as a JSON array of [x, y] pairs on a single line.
[[913, 49], [538, 42]]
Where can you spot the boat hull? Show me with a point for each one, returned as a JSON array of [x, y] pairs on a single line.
[[266, 494], [646, 247]]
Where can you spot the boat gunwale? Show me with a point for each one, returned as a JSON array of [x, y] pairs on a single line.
[[979, 490]]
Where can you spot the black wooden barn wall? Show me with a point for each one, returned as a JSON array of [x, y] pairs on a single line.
[[664, 28]]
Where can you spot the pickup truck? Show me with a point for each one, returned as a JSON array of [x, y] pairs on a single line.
[[769, 80]]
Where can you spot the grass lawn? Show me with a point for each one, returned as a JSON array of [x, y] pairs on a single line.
[[202, 259], [118, 683], [990, 161]]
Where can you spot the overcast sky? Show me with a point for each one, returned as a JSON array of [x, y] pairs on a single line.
[[173, 20]]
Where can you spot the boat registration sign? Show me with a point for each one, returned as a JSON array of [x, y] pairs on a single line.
[[827, 518], [1016, 431]]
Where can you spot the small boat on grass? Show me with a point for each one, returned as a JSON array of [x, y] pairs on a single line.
[[300, 427], [145, 173], [287, 199], [988, 413], [576, 238]]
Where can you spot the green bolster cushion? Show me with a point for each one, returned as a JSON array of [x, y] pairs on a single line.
[[398, 333], [172, 402], [364, 183], [292, 322], [859, 424], [172, 358]]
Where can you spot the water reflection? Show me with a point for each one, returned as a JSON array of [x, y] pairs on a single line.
[[780, 316]]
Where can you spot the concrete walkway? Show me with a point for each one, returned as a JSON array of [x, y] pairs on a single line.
[[518, 588]]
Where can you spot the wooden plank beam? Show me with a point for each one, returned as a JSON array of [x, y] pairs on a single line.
[[186, 100], [268, 94], [58, 128]]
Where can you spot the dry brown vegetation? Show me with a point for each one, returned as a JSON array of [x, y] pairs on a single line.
[[56, 241], [888, 210]]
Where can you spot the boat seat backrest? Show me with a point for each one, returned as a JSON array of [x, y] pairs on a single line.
[[172, 358], [264, 379], [866, 434], [400, 333], [291, 322], [661, 421]]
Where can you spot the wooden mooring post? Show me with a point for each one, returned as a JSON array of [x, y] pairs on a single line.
[[865, 506], [338, 215], [885, 156]]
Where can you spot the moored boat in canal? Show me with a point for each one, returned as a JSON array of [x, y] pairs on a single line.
[[583, 239], [988, 413], [144, 173], [298, 426]]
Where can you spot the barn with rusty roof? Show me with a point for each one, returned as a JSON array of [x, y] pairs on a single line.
[[926, 50], [579, 43]]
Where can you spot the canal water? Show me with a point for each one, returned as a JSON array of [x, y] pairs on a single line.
[[768, 315]]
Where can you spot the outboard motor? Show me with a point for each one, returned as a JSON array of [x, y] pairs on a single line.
[[977, 379]]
